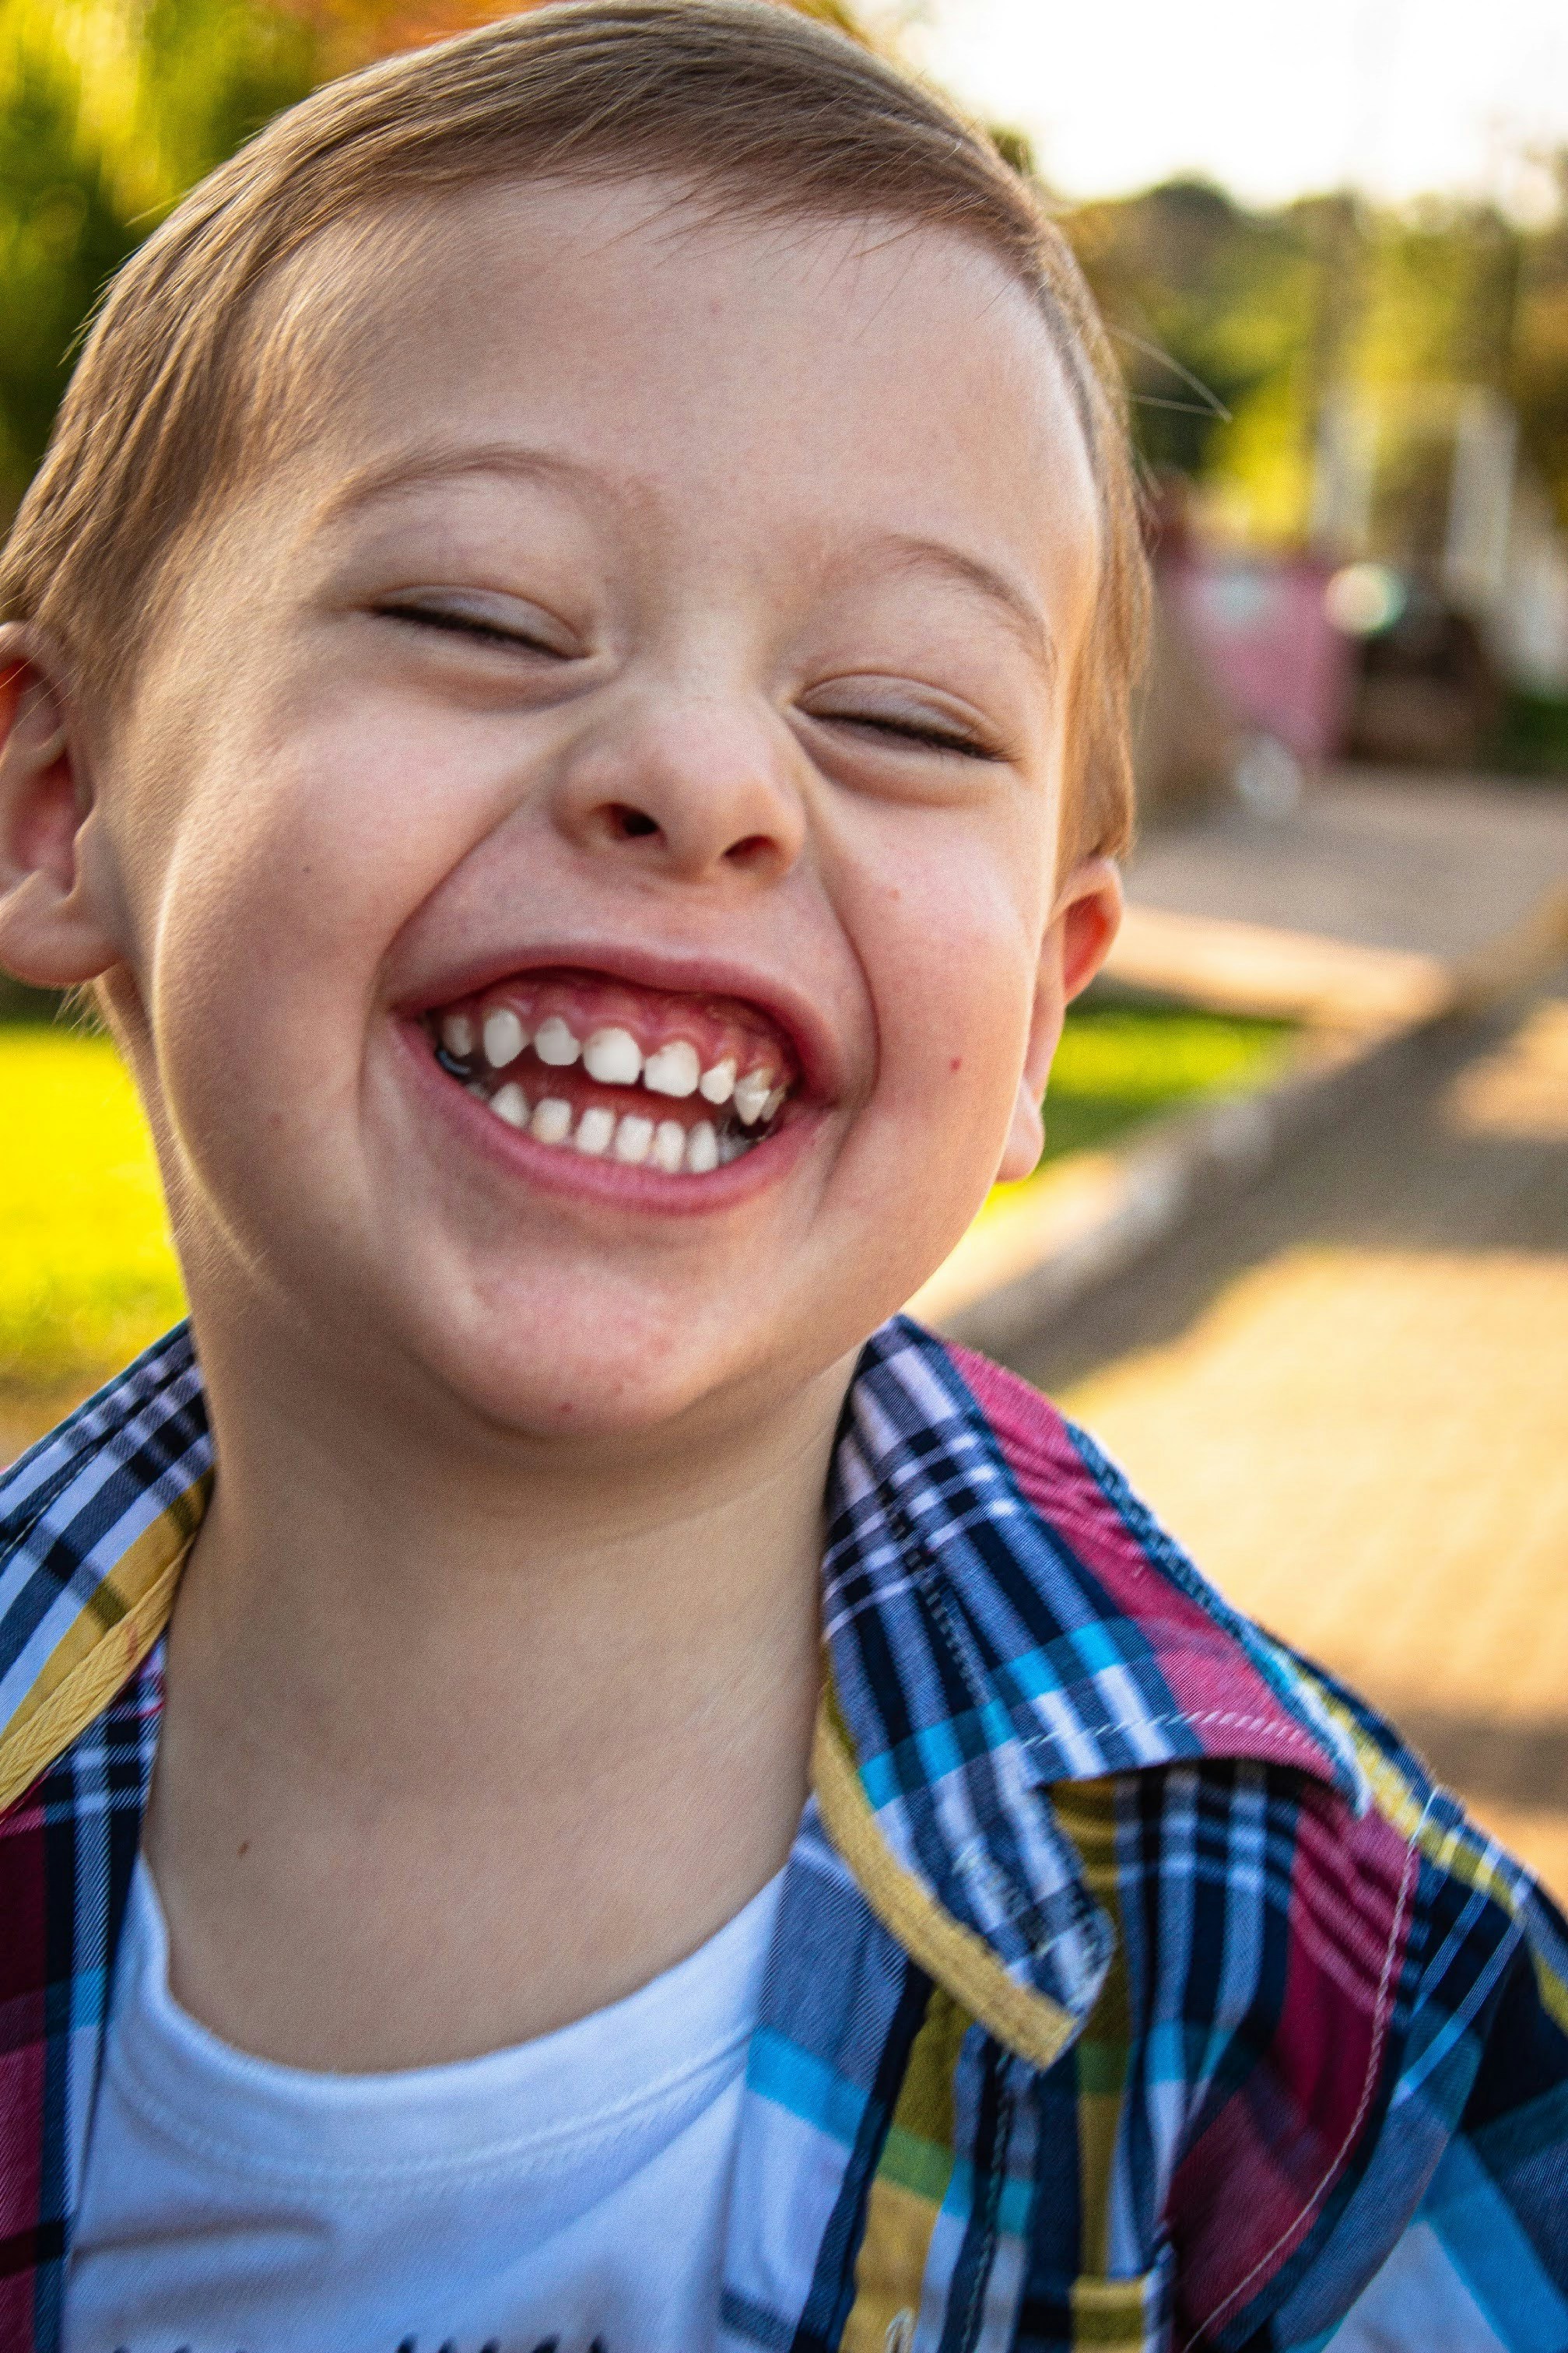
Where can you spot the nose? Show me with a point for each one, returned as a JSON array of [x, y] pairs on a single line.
[[696, 789]]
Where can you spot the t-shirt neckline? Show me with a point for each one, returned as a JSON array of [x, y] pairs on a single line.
[[629, 2074]]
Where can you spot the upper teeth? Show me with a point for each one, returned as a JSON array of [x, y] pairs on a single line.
[[673, 1070], [751, 1094], [505, 1038], [612, 1056], [554, 1042]]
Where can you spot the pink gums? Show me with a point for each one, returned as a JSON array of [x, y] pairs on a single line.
[[719, 1028]]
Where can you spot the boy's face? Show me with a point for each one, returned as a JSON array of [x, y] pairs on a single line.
[[652, 660]]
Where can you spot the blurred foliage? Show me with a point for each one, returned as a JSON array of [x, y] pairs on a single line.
[[1537, 375], [1264, 314], [109, 108], [1531, 739], [20, 1003], [1209, 303], [1232, 324]]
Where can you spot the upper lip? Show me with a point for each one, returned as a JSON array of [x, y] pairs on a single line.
[[679, 971]]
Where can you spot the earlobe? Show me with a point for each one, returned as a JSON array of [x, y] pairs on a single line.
[[53, 929], [1025, 1137], [1078, 938]]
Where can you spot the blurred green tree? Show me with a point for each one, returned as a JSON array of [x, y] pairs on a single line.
[[1208, 302], [109, 108], [1272, 313], [1539, 357]]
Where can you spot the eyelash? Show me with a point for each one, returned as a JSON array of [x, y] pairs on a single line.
[[464, 625], [933, 739]]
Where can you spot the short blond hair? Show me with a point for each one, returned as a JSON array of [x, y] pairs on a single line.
[[751, 104]]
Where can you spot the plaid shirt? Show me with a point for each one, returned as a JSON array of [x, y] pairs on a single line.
[[1133, 1988]]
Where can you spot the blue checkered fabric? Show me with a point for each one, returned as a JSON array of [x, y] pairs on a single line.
[[1133, 1986]]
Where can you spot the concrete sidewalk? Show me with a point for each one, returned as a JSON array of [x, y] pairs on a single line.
[[1410, 866], [1358, 908]]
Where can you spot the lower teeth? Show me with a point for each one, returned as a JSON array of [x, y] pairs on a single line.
[[632, 1139]]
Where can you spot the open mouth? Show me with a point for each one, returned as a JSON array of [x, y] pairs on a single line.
[[682, 1084]]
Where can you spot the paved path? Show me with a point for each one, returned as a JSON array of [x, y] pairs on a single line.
[[1423, 866], [1347, 1394]]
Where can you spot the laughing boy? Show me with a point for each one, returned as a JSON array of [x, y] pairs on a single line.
[[567, 1782]]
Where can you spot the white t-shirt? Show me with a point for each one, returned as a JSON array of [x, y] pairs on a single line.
[[570, 2194]]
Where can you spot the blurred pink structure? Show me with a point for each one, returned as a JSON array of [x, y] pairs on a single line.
[[1272, 650]]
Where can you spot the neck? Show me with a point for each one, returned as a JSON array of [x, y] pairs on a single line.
[[602, 1658], [357, 1587]]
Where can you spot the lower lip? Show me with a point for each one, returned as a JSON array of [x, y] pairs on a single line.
[[559, 1168]]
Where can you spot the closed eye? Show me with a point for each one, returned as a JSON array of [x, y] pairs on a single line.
[[455, 622], [914, 731]]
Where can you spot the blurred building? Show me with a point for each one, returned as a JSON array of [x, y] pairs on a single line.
[[1427, 619], [1453, 570]]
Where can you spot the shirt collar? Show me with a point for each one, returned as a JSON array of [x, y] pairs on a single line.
[[1001, 1614], [998, 1615], [95, 1523]]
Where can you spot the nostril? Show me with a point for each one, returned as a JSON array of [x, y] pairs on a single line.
[[754, 850], [630, 824]]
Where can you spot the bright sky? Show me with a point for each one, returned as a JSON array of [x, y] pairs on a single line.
[[1270, 97]]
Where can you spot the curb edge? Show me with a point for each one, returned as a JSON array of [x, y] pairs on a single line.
[[1195, 1159]]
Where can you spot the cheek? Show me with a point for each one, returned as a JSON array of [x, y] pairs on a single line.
[[306, 846], [301, 850], [952, 950]]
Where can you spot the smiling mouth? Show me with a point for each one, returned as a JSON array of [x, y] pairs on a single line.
[[676, 1083]]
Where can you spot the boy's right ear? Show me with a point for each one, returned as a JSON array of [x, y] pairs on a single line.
[[55, 930]]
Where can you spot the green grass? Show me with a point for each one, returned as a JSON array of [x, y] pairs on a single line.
[[87, 1275], [1123, 1062]]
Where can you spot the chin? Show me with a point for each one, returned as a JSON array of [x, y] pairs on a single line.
[[617, 1373]]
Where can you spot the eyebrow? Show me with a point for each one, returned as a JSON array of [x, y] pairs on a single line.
[[1015, 603], [414, 470]]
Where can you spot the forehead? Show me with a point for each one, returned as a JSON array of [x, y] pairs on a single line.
[[800, 387]]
